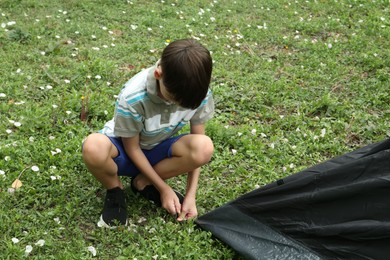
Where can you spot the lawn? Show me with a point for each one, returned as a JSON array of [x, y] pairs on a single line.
[[295, 83]]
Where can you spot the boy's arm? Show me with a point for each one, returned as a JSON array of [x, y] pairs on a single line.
[[168, 197], [189, 206]]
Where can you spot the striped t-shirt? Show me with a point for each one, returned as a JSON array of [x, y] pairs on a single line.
[[140, 111]]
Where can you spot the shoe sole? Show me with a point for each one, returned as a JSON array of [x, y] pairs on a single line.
[[102, 224]]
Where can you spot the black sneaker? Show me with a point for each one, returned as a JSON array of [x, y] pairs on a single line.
[[152, 194], [114, 210]]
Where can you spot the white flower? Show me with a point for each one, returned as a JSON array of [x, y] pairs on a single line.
[[7, 158], [292, 165], [98, 77], [15, 240], [56, 151], [53, 178], [133, 26], [272, 145], [67, 81], [323, 132], [263, 135], [155, 257], [57, 220], [40, 242], [35, 168], [28, 250], [330, 45], [51, 137], [142, 219], [17, 124], [8, 131], [2, 95], [92, 250], [239, 134], [68, 112], [253, 132], [11, 190], [234, 151]]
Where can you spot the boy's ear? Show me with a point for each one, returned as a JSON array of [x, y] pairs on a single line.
[[158, 73]]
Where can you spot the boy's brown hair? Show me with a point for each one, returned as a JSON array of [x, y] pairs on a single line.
[[187, 68]]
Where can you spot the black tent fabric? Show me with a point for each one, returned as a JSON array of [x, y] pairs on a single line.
[[339, 209]]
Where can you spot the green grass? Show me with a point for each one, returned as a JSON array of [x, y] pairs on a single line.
[[295, 83]]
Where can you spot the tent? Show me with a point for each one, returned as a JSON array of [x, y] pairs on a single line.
[[339, 209]]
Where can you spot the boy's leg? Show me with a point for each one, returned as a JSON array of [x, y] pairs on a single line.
[[98, 154], [188, 153]]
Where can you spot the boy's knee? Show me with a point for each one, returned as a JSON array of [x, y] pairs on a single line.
[[202, 149], [94, 149]]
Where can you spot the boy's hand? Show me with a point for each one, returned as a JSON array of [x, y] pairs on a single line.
[[188, 210], [170, 201]]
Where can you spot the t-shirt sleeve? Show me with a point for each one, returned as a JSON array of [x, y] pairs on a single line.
[[128, 122], [205, 111]]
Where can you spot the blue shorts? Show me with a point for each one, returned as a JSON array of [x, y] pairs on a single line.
[[126, 166]]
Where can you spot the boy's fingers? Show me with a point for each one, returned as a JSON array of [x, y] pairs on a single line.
[[171, 210], [182, 216], [175, 208], [178, 208]]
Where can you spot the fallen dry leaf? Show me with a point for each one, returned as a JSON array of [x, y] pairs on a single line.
[[84, 108], [117, 32], [16, 184]]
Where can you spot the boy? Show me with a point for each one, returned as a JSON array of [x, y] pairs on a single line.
[[139, 141]]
